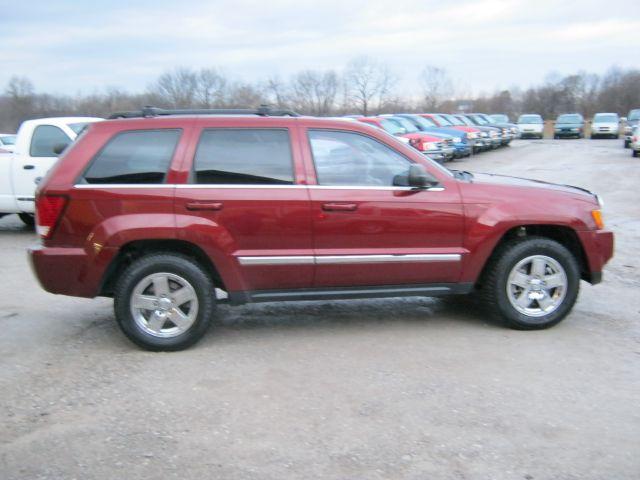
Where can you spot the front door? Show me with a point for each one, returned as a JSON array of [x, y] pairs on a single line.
[[368, 231]]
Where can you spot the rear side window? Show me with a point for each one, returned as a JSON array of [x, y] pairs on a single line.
[[141, 156], [244, 157], [44, 140]]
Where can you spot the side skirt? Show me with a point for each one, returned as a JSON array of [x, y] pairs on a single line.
[[346, 293]]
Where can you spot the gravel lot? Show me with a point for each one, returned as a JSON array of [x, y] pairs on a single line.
[[380, 389]]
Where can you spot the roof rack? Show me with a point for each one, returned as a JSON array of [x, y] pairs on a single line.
[[149, 112]]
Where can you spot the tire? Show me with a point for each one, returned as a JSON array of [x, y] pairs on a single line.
[[634, 153], [627, 143], [556, 137], [154, 278], [500, 294], [28, 219]]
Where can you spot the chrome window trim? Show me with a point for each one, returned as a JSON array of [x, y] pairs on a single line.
[[244, 187], [348, 259]]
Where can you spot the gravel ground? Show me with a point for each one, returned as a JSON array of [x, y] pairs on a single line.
[[380, 389]]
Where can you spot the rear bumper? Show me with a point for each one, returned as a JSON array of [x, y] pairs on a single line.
[[598, 246], [69, 271]]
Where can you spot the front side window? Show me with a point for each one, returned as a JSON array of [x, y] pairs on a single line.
[[243, 157], [132, 157], [351, 159], [45, 139]]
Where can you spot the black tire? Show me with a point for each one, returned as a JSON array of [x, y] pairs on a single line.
[[627, 143], [28, 219], [495, 278], [182, 266], [634, 153]]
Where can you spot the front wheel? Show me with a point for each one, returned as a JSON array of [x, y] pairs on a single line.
[[532, 283], [634, 153], [164, 302]]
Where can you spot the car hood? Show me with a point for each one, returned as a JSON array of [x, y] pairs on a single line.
[[494, 180]]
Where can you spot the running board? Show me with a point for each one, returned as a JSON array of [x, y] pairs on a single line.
[[346, 293]]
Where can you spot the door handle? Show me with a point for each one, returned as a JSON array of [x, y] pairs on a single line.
[[339, 207], [28, 167], [204, 205]]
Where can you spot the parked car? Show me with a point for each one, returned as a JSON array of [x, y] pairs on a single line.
[[461, 140], [569, 125], [37, 145], [448, 141], [480, 138], [633, 118], [7, 142], [508, 131], [443, 120], [426, 144], [159, 210], [500, 118], [493, 134], [605, 125], [531, 125], [635, 140]]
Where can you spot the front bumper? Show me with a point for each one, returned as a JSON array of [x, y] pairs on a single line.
[[598, 246], [462, 149], [567, 133]]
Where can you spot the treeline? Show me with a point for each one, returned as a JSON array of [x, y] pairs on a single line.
[[365, 86]]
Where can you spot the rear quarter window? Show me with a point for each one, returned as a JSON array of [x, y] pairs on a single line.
[[134, 157]]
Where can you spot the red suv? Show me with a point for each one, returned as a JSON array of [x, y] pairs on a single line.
[[162, 209]]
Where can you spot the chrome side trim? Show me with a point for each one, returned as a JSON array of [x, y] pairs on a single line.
[[427, 257], [283, 260], [108, 186], [105, 186], [348, 259]]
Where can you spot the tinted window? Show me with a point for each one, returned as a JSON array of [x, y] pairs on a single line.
[[141, 156], [243, 156], [343, 158], [45, 139], [77, 127], [570, 118]]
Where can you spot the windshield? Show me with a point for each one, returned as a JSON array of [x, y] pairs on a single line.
[[477, 119], [634, 115], [499, 118], [392, 127], [442, 120], [8, 139], [570, 118], [423, 121], [465, 120], [406, 124], [453, 120], [605, 118], [530, 119]]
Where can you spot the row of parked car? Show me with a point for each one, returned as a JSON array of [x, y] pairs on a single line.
[[444, 137]]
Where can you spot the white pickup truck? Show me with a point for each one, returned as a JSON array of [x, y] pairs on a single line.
[[34, 153]]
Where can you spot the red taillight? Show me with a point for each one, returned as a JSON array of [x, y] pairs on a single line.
[[48, 210]]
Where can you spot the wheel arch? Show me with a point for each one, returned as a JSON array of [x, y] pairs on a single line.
[[564, 235], [133, 250]]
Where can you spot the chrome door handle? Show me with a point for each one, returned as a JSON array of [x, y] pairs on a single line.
[[339, 207], [204, 205]]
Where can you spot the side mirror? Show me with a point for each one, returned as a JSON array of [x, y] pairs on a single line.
[[58, 148], [417, 177]]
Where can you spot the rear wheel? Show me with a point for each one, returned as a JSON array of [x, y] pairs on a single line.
[[634, 153], [532, 283], [28, 219], [627, 143], [164, 302]]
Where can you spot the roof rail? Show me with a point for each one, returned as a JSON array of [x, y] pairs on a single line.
[[149, 112]]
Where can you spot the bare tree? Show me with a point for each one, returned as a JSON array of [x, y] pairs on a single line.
[[176, 88], [367, 84], [436, 87], [210, 88], [277, 92], [314, 92], [21, 101]]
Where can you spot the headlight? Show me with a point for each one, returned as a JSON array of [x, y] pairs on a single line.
[[494, 134], [627, 129], [484, 134], [575, 129], [429, 146], [457, 140], [471, 135]]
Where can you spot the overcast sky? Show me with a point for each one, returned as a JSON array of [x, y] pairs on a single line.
[[70, 46]]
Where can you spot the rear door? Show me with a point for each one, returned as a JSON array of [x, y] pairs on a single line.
[[245, 195], [368, 231]]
